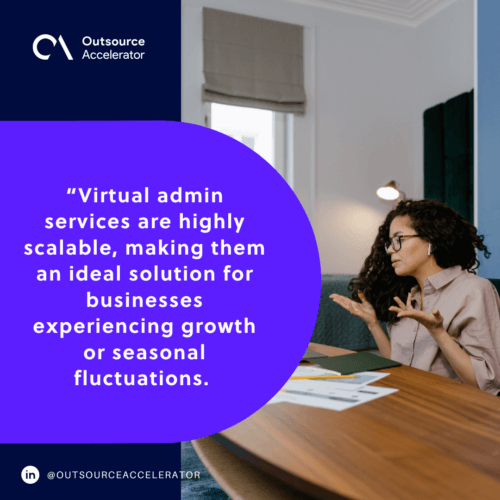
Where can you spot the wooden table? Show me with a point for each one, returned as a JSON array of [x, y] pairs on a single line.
[[434, 438]]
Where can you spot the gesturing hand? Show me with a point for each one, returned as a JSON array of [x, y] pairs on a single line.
[[433, 322], [364, 310]]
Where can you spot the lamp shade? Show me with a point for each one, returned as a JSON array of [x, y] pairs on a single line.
[[389, 191]]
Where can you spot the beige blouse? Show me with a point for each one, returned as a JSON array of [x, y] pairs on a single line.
[[470, 307]]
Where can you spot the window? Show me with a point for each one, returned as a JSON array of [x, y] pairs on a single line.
[[268, 133]]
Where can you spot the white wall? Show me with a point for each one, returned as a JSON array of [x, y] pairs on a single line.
[[444, 66], [368, 83], [364, 130]]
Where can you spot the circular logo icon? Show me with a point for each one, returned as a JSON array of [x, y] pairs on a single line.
[[30, 474]]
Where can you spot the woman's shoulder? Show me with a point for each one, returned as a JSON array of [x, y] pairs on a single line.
[[475, 280], [473, 285]]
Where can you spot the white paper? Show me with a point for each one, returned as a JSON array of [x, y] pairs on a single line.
[[336, 399], [313, 371], [321, 385]]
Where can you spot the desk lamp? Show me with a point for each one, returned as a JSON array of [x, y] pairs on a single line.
[[390, 192]]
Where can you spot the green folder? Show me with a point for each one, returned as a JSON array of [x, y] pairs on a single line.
[[357, 362]]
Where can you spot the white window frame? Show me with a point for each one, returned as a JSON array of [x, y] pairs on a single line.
[[303, 143], [283, 141]]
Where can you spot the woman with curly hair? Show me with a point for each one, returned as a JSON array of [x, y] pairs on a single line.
[[420, 278]]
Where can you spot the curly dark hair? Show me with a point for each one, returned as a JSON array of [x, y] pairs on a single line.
[[454, 242]]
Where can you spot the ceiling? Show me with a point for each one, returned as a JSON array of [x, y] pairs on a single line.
[[406, 12]]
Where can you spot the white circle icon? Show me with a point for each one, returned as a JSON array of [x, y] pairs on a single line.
[[30, 474]]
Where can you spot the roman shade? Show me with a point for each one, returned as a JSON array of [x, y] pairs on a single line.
[[253, 62]]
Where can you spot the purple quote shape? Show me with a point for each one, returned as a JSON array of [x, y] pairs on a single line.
[[44, 167]]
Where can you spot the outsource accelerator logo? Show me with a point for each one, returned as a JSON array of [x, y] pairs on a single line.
[[38, 39], [128, 54]]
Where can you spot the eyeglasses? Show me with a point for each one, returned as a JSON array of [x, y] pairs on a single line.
[[395, 242]]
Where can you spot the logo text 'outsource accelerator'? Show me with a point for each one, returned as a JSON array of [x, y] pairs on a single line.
[[87, 41]]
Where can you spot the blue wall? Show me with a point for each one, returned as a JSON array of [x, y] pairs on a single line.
[[488, 94]]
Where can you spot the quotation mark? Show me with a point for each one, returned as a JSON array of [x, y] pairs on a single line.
[[51, 475], [71, 191]]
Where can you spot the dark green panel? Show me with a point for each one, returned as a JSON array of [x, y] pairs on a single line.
[[434, 154], [457, 171], [456, 126], [457, 185], [471, 156], [449, 153]]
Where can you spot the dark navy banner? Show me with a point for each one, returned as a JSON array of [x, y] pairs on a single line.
[[72, 61], [91, 471], [106, 61]]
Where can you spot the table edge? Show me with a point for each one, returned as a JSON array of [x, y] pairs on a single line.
[[277, 472]]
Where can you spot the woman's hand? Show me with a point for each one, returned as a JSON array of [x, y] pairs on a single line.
[[364, 310], [433, 322]]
